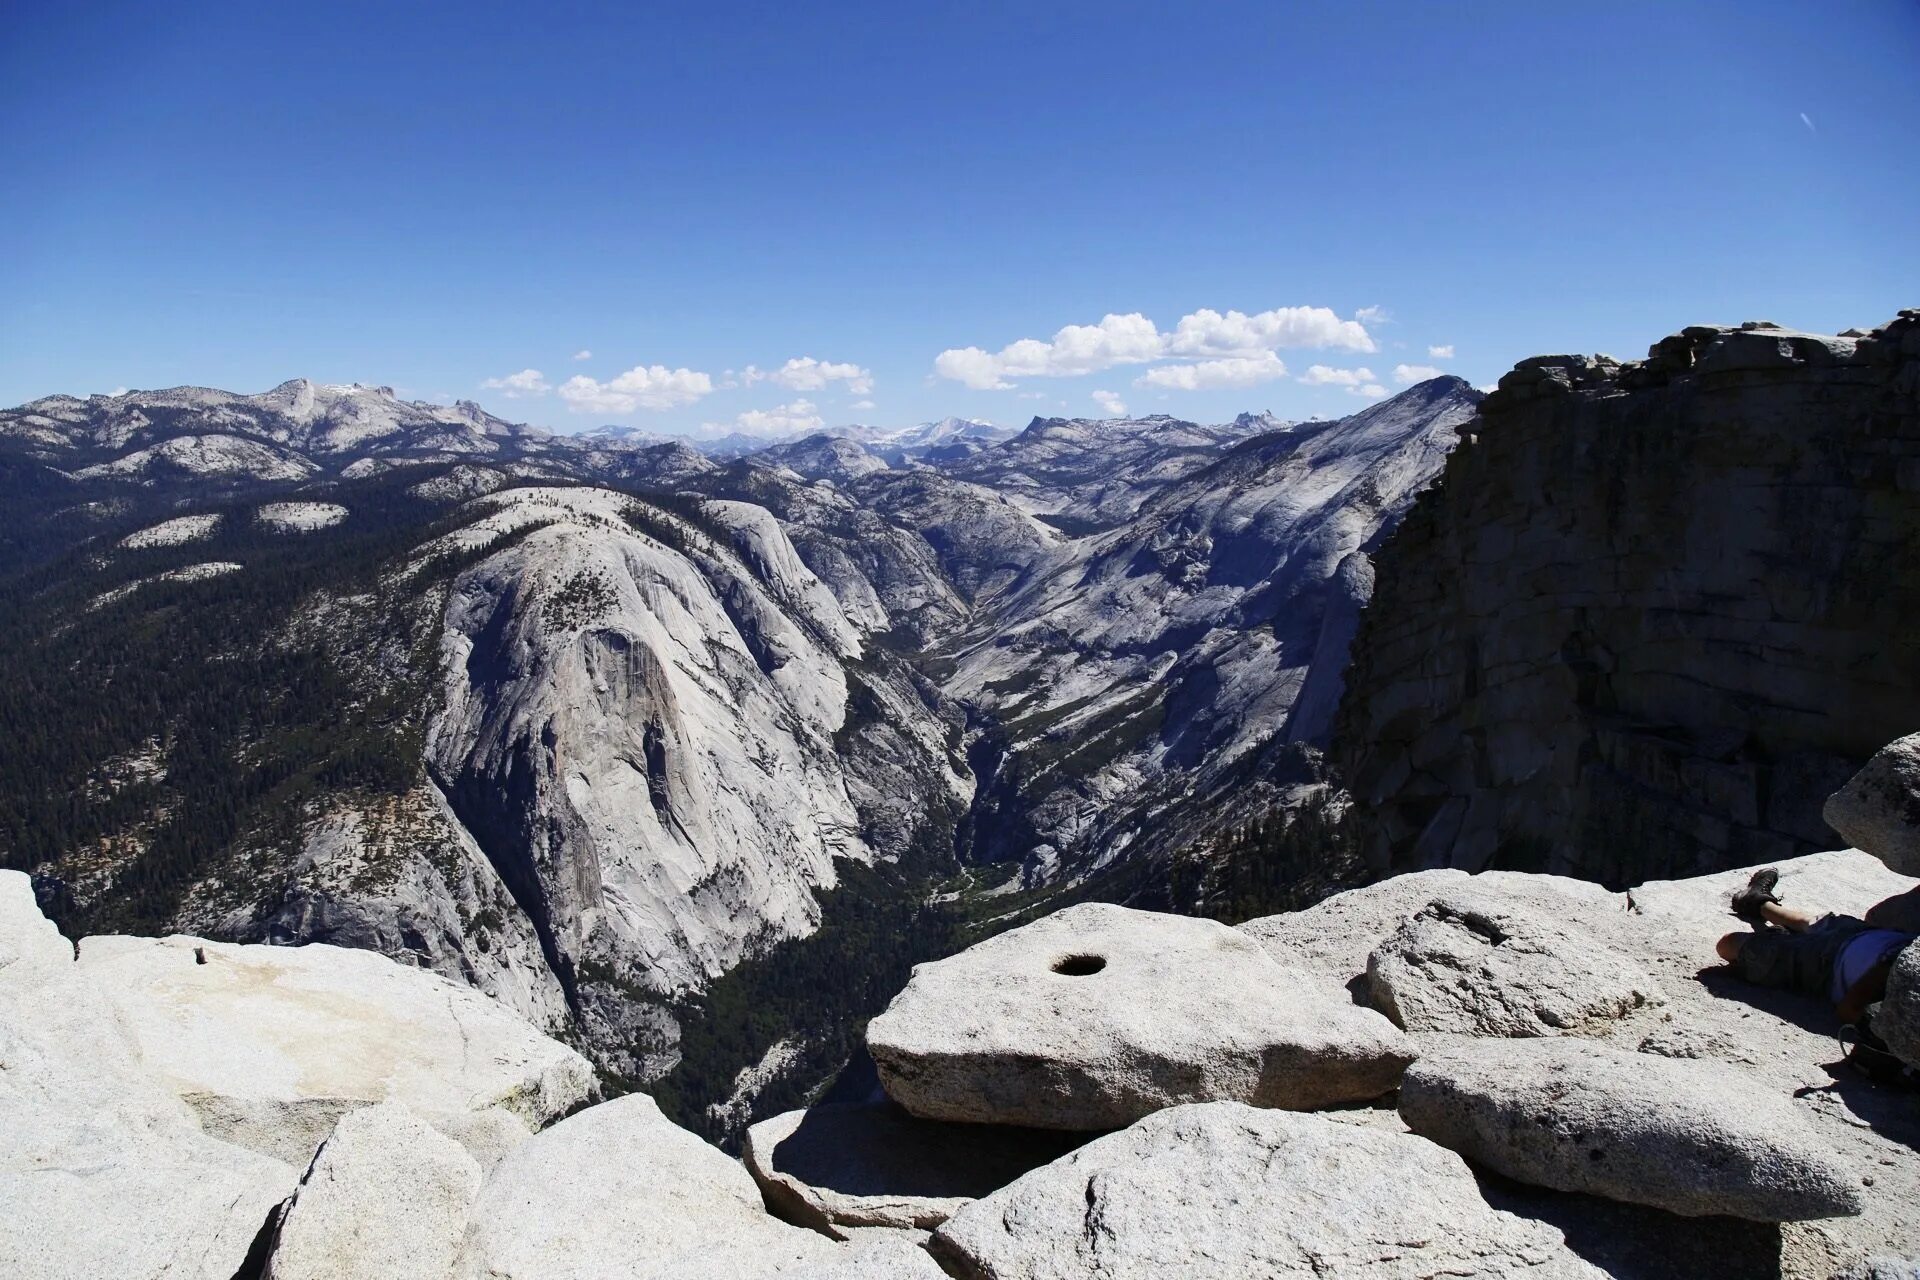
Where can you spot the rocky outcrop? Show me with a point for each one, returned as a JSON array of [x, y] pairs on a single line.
[[847, 1166], [27, 938], [1475, 964], [619, 1190], [386, 1195], [90, 1195], [1651, 614], [1097, 1015], [271, 1045], [1219, 1190], [1693, 1138], [1879, 808], [1899, 1021]]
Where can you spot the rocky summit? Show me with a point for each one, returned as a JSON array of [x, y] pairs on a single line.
[[451, 844]]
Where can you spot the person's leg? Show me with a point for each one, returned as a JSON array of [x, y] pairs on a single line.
[[1776, 913]]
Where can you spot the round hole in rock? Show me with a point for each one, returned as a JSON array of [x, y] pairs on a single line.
[[1079, 966]]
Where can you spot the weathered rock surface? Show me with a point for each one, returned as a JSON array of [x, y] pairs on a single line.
[[85, 1196], [618, 1190], [1098, 1015], [1899, 1020], [1879, 808], [1473, 964], [1651, 615], [866, 1165], [387, 1195], [1224, 1190], [27, 938], [1336, 936], [271, 1045], [1693, 1138]]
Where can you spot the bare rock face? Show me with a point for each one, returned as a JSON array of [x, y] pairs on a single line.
[[841, 1167], [1221, 1190], [27, 938], [1689, 1137], [1879, 808], [387, 1195], [618, 1190], [1336, 937], [1473, 964], [91, 1195], [1899, 1020], [1651, 616], [271, 1045], [1098, 1015]]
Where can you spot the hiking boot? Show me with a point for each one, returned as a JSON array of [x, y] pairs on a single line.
[[1759, 892]]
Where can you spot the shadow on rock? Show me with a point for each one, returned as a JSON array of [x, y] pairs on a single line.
[[1634, 1242]]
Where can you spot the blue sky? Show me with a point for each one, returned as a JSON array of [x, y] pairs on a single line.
[[695, 200]]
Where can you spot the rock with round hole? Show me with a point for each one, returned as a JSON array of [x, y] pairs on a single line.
[[1098, 1015]]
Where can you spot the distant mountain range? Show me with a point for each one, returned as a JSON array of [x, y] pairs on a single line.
[[594, 722]]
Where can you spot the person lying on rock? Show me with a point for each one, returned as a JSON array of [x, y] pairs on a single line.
[[1841, 959]]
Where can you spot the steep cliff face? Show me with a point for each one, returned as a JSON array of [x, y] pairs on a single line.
[[1651, 614]]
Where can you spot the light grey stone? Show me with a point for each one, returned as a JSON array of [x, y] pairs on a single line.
[[1221, 1190], [1097, 1015], [387, 1195], [271, 1045], [64, 1045], [838, 1167], [27, 938], [1690, 1137], [1898, 1022], [86, 1196], [1879, 809], [1475, 963], [1335, 937], [619, 1190]]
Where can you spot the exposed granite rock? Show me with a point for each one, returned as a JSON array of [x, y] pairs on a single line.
[[387, 1195], [864, 1165], [1097, 1015], [271, 1045], [1651, 614], [619, 1190], [1337, 935], [90, 1195], [1221, 1190], [1879, 808], [1474, 964], [1691, 1137], [27, 938], [1899, 1020]]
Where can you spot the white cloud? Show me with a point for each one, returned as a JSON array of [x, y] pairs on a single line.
[[1234, 371], [1373, 315], [117, 392], [1404, 374], [519, 386], [1076, 349], [804, 373], [863, 404], [1110, 403], [1372, 391], [786, 419], [1321, 375], [641, 387], [1807, 120], [1133, 339], [1440, 353], [583, 354], [1208, 333]]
